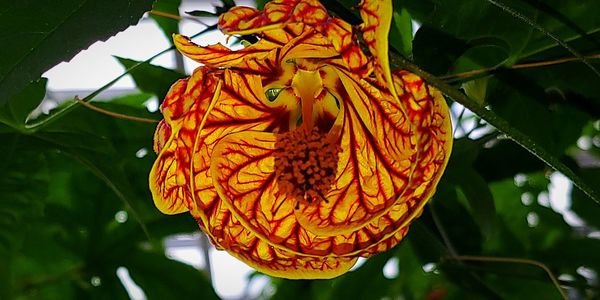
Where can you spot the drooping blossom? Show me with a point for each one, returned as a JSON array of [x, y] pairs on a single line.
[[303, 151]]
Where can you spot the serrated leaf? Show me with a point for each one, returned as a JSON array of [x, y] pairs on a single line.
[[44, 33]]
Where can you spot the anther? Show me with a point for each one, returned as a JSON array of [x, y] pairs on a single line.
[[305, 164]]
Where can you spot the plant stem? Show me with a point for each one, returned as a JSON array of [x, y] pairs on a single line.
[[502, 125], [523, 261]]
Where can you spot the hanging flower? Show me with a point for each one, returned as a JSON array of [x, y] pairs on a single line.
[[302, 152]]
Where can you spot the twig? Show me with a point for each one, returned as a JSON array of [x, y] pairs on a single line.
[[514, 260], [114, 114], [518, 66], [547, 33]]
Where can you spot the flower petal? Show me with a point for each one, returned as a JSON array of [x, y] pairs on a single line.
[[281, 21], [276, 14], [242, 106], [218, 55], [377, 19], [184, 109], [430, 115], [243, 173], [375, 165], [264, 211], [229, 234]]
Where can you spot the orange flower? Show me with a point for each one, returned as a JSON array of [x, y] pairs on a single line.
[[300, 153]]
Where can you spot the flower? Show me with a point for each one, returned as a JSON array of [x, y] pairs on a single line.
[[302, 152]]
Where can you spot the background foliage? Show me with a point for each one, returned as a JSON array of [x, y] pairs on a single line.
[[64, 176]]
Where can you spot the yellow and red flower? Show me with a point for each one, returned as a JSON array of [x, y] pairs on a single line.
[[300, 153]]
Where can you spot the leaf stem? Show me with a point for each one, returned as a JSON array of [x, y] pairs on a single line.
[[165, 14], [547, 33], [519, 66], [114, 114]]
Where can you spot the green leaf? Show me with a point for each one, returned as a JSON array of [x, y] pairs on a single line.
[[475, 189], [516, 13], [18, 108], [150, 78], [400, 36], [580, 202], [201, 13], [524, 104], [447, 208], [169, 26], [435, 50], [477, 89], [54, 33], [480, 200], [468, 20], [260, 4], [182, 281], [519, 160], [366, 282], [299, 289]]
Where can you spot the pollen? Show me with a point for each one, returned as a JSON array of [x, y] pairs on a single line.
[[305, 164]]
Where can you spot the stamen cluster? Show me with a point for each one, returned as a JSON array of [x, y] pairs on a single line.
[[305, 164]]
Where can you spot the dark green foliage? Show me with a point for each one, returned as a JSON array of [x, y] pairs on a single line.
[[61, 184], [37, 34]]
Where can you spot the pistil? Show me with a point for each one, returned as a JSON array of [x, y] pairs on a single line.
[[307, 85]]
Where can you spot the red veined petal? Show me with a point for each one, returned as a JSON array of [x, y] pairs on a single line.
[[377, 19], [161, 136], [386, 244], [229, 234], [379, 235], [276, 14], [430, 116], [242, 106], [375, 166], [242, 170], [345, 41], [184, 109], [218, 55], [262, 57], [281, 21]]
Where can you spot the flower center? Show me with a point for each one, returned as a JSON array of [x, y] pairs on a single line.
[[305, 164]]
